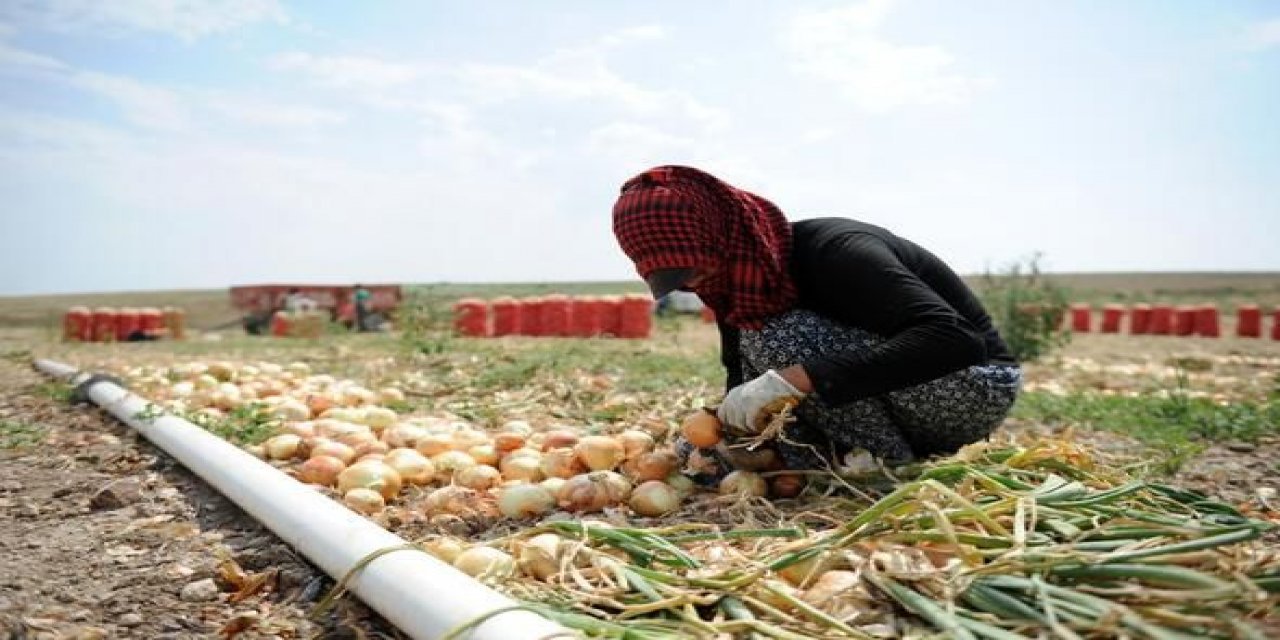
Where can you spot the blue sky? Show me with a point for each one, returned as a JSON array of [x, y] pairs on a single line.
[[152, 144]]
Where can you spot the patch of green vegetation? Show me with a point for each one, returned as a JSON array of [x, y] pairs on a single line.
[[59, 391], [1174, 423], [19, 435]]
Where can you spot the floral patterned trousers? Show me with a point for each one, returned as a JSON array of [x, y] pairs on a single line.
[[935, 417]]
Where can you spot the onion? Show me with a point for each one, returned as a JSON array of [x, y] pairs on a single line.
[[559, 440], [292, 410], [505, 442], [594, 491], [553, 485], [831, 584], [344, 414], [654, 465], [366, 501], [525, 501], [561, 463], [376, 457], [355, 396], [804, 571], [464, 439], [540, 556], [354, 438], [300, 369], [451, 462], [321, 470], [443, 548], [403, 435], [635, 443], [303, 430], [483, 454], [319, 403], [413, 467], [702, 429], [256, 450], [283, 446], [654, 498], [485, 562], [600, 453], [683, 484], [526, 468], [451, 500], [221, 371], [390, 394], [247, 372], [334, 449], [518, 427], [371, 447], [743, 483], [434, 444], [786, 486], [481, 477], [370, 474], [379, 417]]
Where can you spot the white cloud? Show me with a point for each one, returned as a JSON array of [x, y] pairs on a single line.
[[346, 71], [844, 46], [1261, 36], [186, 19], [258, 112], [637, 146], [13, 59], [143, 104], [583, 74]]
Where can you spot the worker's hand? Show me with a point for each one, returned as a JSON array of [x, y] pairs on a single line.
[[747, 407]]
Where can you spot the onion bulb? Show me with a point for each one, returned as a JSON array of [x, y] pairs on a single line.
[[452, 499], [370, 474], [390, 394], [464, 439], [786, 486], [481, 477], [831, 584], [540, 556], [433, 444], [743, 483], [443, 547], [518, 427], [654, 498], [599, 453], [506, 441], [321, 470], [369, 447], [450, 463], [304, 429], [485, 562], [283, 446], [683, 484], [379, 417], [292, 410], [256, 450], [525, 501], [483, 454], [366, 501], [559, 440], [335, 449], [561, 463], [403, 435], [594, 491], [702, 429], [413, 467], [318, 403], [526, 468], [635, 443], [553, 485], [653, 465]]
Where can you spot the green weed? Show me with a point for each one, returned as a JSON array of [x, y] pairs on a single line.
[[19, 435]]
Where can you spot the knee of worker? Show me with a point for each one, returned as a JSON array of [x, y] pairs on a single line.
[[800, 335]]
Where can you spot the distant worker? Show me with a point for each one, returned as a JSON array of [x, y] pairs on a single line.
[[361, 300], [882, 345], [297, 301]]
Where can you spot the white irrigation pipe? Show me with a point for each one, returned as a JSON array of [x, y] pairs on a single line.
[[417, 593]]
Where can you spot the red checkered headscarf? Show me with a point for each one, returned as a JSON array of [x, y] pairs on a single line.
[[679, 217]]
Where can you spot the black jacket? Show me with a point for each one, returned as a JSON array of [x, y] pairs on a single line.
[[864, 276]]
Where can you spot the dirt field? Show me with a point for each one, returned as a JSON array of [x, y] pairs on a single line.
[[102, 536]]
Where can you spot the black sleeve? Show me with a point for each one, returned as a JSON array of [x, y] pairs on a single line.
[[862, 278], [730, 356]]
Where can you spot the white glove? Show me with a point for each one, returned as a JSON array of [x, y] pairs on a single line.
[[742, 409]]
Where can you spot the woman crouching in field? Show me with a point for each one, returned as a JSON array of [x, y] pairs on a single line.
[[882, 344]]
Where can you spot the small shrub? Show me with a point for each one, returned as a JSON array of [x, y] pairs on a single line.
[[1026, 308]]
